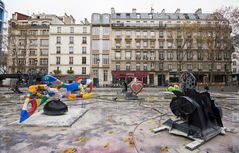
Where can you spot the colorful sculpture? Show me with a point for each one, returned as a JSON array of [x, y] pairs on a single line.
[[136, 86], [36, 98]]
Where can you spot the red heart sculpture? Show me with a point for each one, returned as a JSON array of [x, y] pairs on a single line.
[[136, 87]]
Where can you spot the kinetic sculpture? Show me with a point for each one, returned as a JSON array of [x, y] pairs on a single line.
[[39, 94], [199, 116]]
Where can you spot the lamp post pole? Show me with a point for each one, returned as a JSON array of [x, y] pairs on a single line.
[[98, 62]]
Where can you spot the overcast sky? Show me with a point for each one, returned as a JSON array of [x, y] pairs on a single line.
[[81, 9]]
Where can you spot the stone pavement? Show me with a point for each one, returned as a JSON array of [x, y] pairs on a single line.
[[113, 126]]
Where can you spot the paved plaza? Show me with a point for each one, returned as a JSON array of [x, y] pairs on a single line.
[[113, 125]]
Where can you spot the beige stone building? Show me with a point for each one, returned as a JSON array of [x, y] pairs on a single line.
[[157, 47], [101, 49], [29, 41]]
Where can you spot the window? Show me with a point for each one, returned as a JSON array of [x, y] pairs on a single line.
[[44, 32], [138, 55], [200, 55], [128, 33], [71, 60], [84, 40], [95, 59], [233, 63], [117, 33], [145, 44], [44, 52], [83, 60], [161, 55], [161, 34], [127, 45], [127, 66], [33, 32], [105, 75], [105, 59], [234, 70], [179, 35], [189, 55], [106, 30], [117, 55], [127, 55], [137, 23], [58, 29], [138, 16], [33, 42], [219, 67], [43, 61], [71, 50], [44, 42], [160, 44], [138, 44], [170, 55], [83, 70], [152, 34], [170, 67], [189, 66], [33, 52], [218, 55], [137, 66], [152, 44], [145, 34], [71, 29], [71, 40], [95, 73], [95, 31], [106, 45], [170, 44], [84, 29], [199, 66], [117, 66], [58, 40], [179, 67], [33, 61], [95, 45], [21, 61], [58, 50], [137, 33], [145, 67], [179, 55], [161, 66], [169, 34], [83, 50], [58, 60], [145, 56], [22, 42]]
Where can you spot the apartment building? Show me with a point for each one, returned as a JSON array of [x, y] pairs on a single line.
[[158, 47], [29, 41], [235, 65], [101, 49], [69, 49]]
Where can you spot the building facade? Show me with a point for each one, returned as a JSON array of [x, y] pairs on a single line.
[[29, 41], [101, 49], [70, 49], [158, 47], [235, 65]]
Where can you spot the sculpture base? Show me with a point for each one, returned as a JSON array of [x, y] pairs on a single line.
[[130, 96], [66, 120]]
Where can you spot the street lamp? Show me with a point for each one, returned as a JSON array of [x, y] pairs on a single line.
[[98, 62]]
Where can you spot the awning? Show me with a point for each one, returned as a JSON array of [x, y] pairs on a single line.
[[129, 74]]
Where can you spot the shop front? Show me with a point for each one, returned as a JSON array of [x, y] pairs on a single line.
[[126, 76]]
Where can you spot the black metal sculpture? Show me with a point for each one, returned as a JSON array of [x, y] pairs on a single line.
[[55, 107], [199, 115]]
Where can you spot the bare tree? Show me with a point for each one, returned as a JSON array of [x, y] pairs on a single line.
[[184, 41], [231, 13], [218, 41]]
